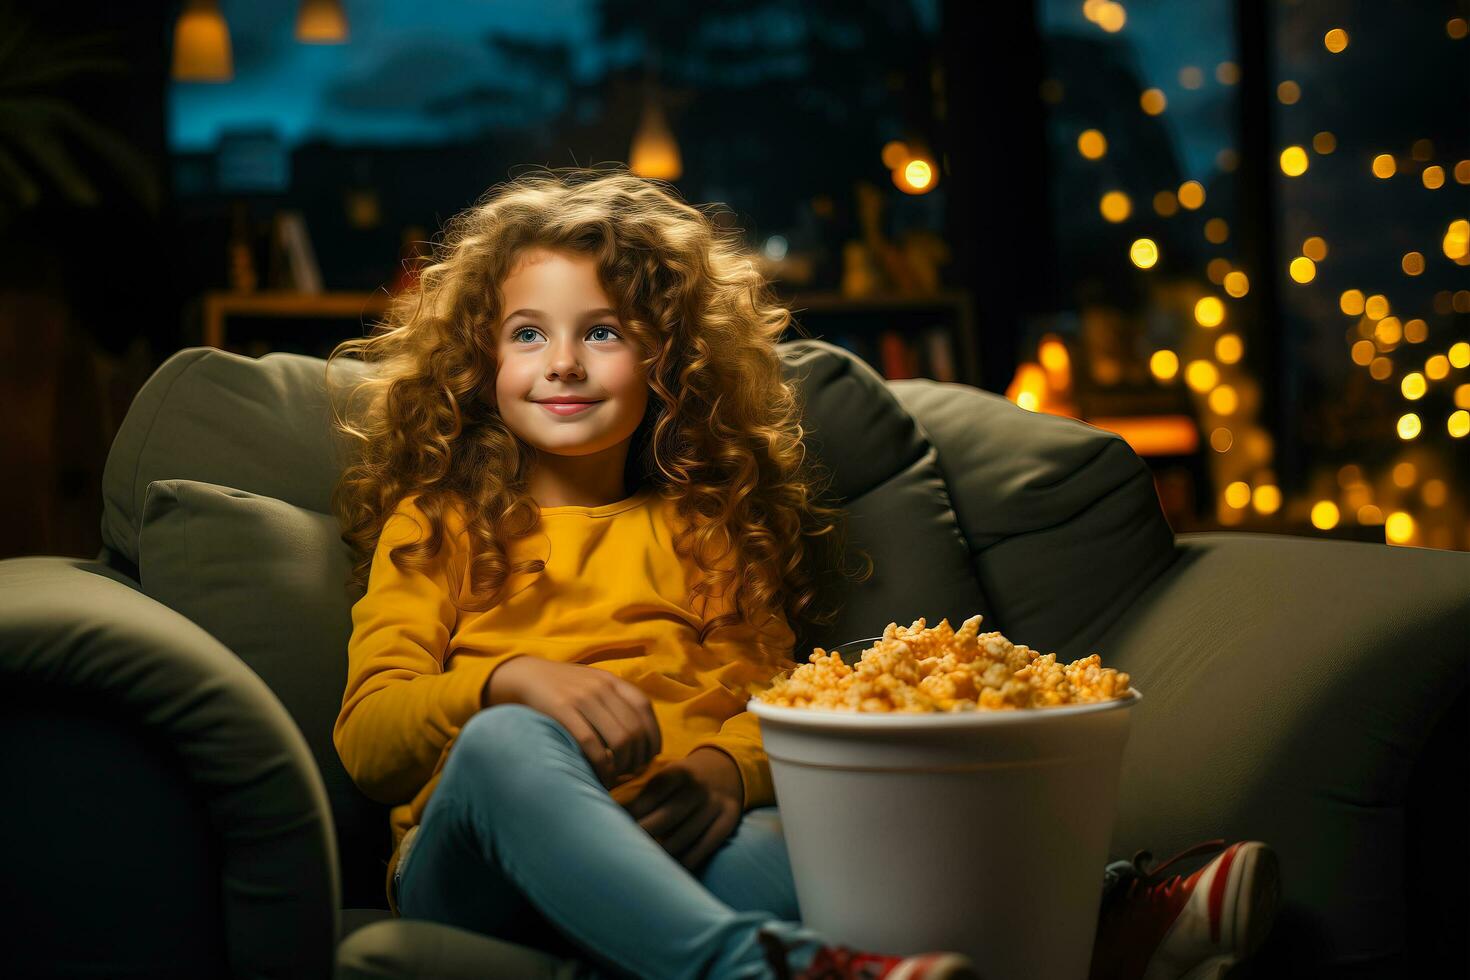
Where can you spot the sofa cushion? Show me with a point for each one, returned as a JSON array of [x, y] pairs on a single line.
[[269, 581], [1062, 518], [263, 425]]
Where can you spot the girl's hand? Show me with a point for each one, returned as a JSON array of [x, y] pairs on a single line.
[[691, 806], [610, 718]]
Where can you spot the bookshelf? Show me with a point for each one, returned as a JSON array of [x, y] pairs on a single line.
[[901, 336], [220, 307]]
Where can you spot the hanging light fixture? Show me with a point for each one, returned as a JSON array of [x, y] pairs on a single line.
[[655, 154], [321, 22], [202, 44]]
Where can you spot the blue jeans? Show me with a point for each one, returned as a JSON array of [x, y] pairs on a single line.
[[521, 841]]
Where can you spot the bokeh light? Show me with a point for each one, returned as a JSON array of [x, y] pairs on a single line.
[[1303, 269], [1115, 206], [1229, 349], [1294, 161], [1092, 144], [1144, 253], [1164, 364], [1209, 311]]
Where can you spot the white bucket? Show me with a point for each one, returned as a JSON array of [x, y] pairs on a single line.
[[979, 832]]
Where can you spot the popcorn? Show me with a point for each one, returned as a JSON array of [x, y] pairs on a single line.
[[921, 668]]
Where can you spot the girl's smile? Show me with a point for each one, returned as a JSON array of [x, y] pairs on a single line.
[[569, 408]]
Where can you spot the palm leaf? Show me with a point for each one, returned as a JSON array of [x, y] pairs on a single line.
[[38, 128]]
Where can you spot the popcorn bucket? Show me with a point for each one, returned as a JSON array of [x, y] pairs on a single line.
[[979, 832]]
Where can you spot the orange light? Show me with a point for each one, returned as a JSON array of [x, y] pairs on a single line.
[[1153, 435], [1115, 206], [1028, 388], [1092, 144], [1056, 361]]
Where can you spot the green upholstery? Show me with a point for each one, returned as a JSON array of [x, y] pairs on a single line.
[[222, 557], [1279, 704]]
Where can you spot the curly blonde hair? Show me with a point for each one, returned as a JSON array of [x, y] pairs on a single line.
[[721, 438]]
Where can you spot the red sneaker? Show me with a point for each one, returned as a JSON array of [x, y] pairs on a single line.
[[842, 963], [1196, 927]]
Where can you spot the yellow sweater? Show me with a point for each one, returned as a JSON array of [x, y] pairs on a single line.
[[613, 596]]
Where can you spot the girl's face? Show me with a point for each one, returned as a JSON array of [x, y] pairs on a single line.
[[558, 336]]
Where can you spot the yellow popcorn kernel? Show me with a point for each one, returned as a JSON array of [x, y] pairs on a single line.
[[923, 668]]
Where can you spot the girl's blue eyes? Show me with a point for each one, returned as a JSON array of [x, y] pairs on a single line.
[[517, 335]]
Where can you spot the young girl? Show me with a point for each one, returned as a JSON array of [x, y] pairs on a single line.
[[586, 523]]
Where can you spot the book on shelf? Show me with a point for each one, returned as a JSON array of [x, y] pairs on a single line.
[[293, 260], [927, 354], [930, 353], [940, 348]]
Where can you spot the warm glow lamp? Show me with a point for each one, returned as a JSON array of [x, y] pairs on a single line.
[[655, 154], [321, 22], [202, 44]]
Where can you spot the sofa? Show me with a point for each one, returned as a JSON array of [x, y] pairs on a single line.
[[176, 808]]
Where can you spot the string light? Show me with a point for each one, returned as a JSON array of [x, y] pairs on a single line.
[[1294, 161], [1115, 206], [1201, 376], [1399, 527], [1229, 349], [1144, 252], [1165, 365], [1209, 311]]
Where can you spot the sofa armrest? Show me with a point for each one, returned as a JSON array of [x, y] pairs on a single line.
[[76, 630], [1289, 685]]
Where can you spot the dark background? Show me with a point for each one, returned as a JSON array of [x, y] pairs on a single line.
[[125, 190]]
